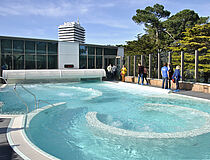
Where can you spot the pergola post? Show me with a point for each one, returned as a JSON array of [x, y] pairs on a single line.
[[150, 65], [182, 65], [159, 65], [134, 66], [196, 65], [169, 57], [142, 60], [128, 65]]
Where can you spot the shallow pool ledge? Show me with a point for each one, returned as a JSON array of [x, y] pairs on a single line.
[[18, 140]]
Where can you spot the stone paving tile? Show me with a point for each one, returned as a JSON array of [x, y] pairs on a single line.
[[6, 152], [194, 94]]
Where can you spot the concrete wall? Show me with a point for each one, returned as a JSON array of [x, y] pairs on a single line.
[[68, 53]]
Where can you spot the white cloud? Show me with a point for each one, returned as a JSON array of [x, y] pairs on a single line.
[[45, 8], [58, 8]]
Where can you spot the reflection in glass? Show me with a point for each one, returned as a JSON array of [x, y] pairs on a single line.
[[30, 61], [82, 50], [18, 46], [91, 51], [6, 46], [41, 62], [98, 62], [82, 62], [18, 61], [53, 48], [52, 62], [98, 51], [6, 59], [108, 51], [41, 47], [91, 62], [30, 47]]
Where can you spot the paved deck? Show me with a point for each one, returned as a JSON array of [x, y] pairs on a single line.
[[194, 94], [6, 151]]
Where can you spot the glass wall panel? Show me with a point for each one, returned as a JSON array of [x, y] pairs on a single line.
[[41, 47], [6, 46], [30, 47], [82, 50], [98, 62], [53, 48], [52, 62], [91, 51], [91, 62], [30, 61], [6, 59], [18, 46], [98, 51], [108, 51], [41, 62], [83, 62], [18, 61]]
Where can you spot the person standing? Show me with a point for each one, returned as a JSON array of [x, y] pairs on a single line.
[[123, 72], [176, 76], [114, 72], [164, 73], [109, 70], [170, 74], [140, 73]]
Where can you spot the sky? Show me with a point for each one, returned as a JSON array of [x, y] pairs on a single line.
[[107, 22]]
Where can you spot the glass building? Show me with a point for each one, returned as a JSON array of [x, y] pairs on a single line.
[[96, 56], [25, 53], [18, 53]]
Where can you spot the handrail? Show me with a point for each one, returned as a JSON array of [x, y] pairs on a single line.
[[21, 99], [43, 101], [35, 99]]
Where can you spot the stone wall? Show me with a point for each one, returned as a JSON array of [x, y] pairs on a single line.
[[196, 87]]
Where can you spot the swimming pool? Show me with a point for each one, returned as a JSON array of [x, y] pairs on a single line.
[[67, 131]]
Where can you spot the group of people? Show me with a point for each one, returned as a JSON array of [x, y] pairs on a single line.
[[142, 73], [168, 75], [111, 72]]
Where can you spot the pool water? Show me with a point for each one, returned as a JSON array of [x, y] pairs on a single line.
[[63, 131]]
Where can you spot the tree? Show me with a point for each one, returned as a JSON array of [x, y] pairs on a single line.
[[196, 38], [177, 24], [151, 18]]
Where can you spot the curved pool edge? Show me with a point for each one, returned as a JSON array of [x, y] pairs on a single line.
[[18, 139], [93, 121]]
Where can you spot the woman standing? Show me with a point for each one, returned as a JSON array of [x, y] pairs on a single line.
[[123, 72], [176, 76]]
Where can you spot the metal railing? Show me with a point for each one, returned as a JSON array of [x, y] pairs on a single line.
[[35, 99]]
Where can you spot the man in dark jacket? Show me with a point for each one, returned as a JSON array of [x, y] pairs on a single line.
[[176, 76], [140, 73]]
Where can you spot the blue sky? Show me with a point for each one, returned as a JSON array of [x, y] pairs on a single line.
[[105, 21]]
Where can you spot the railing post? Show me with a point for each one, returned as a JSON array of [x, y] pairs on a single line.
[[128, 67], [169, 57], [196, 65], [150, 65], [182, 65], [134, 66], [142, 60], [158, 65]]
